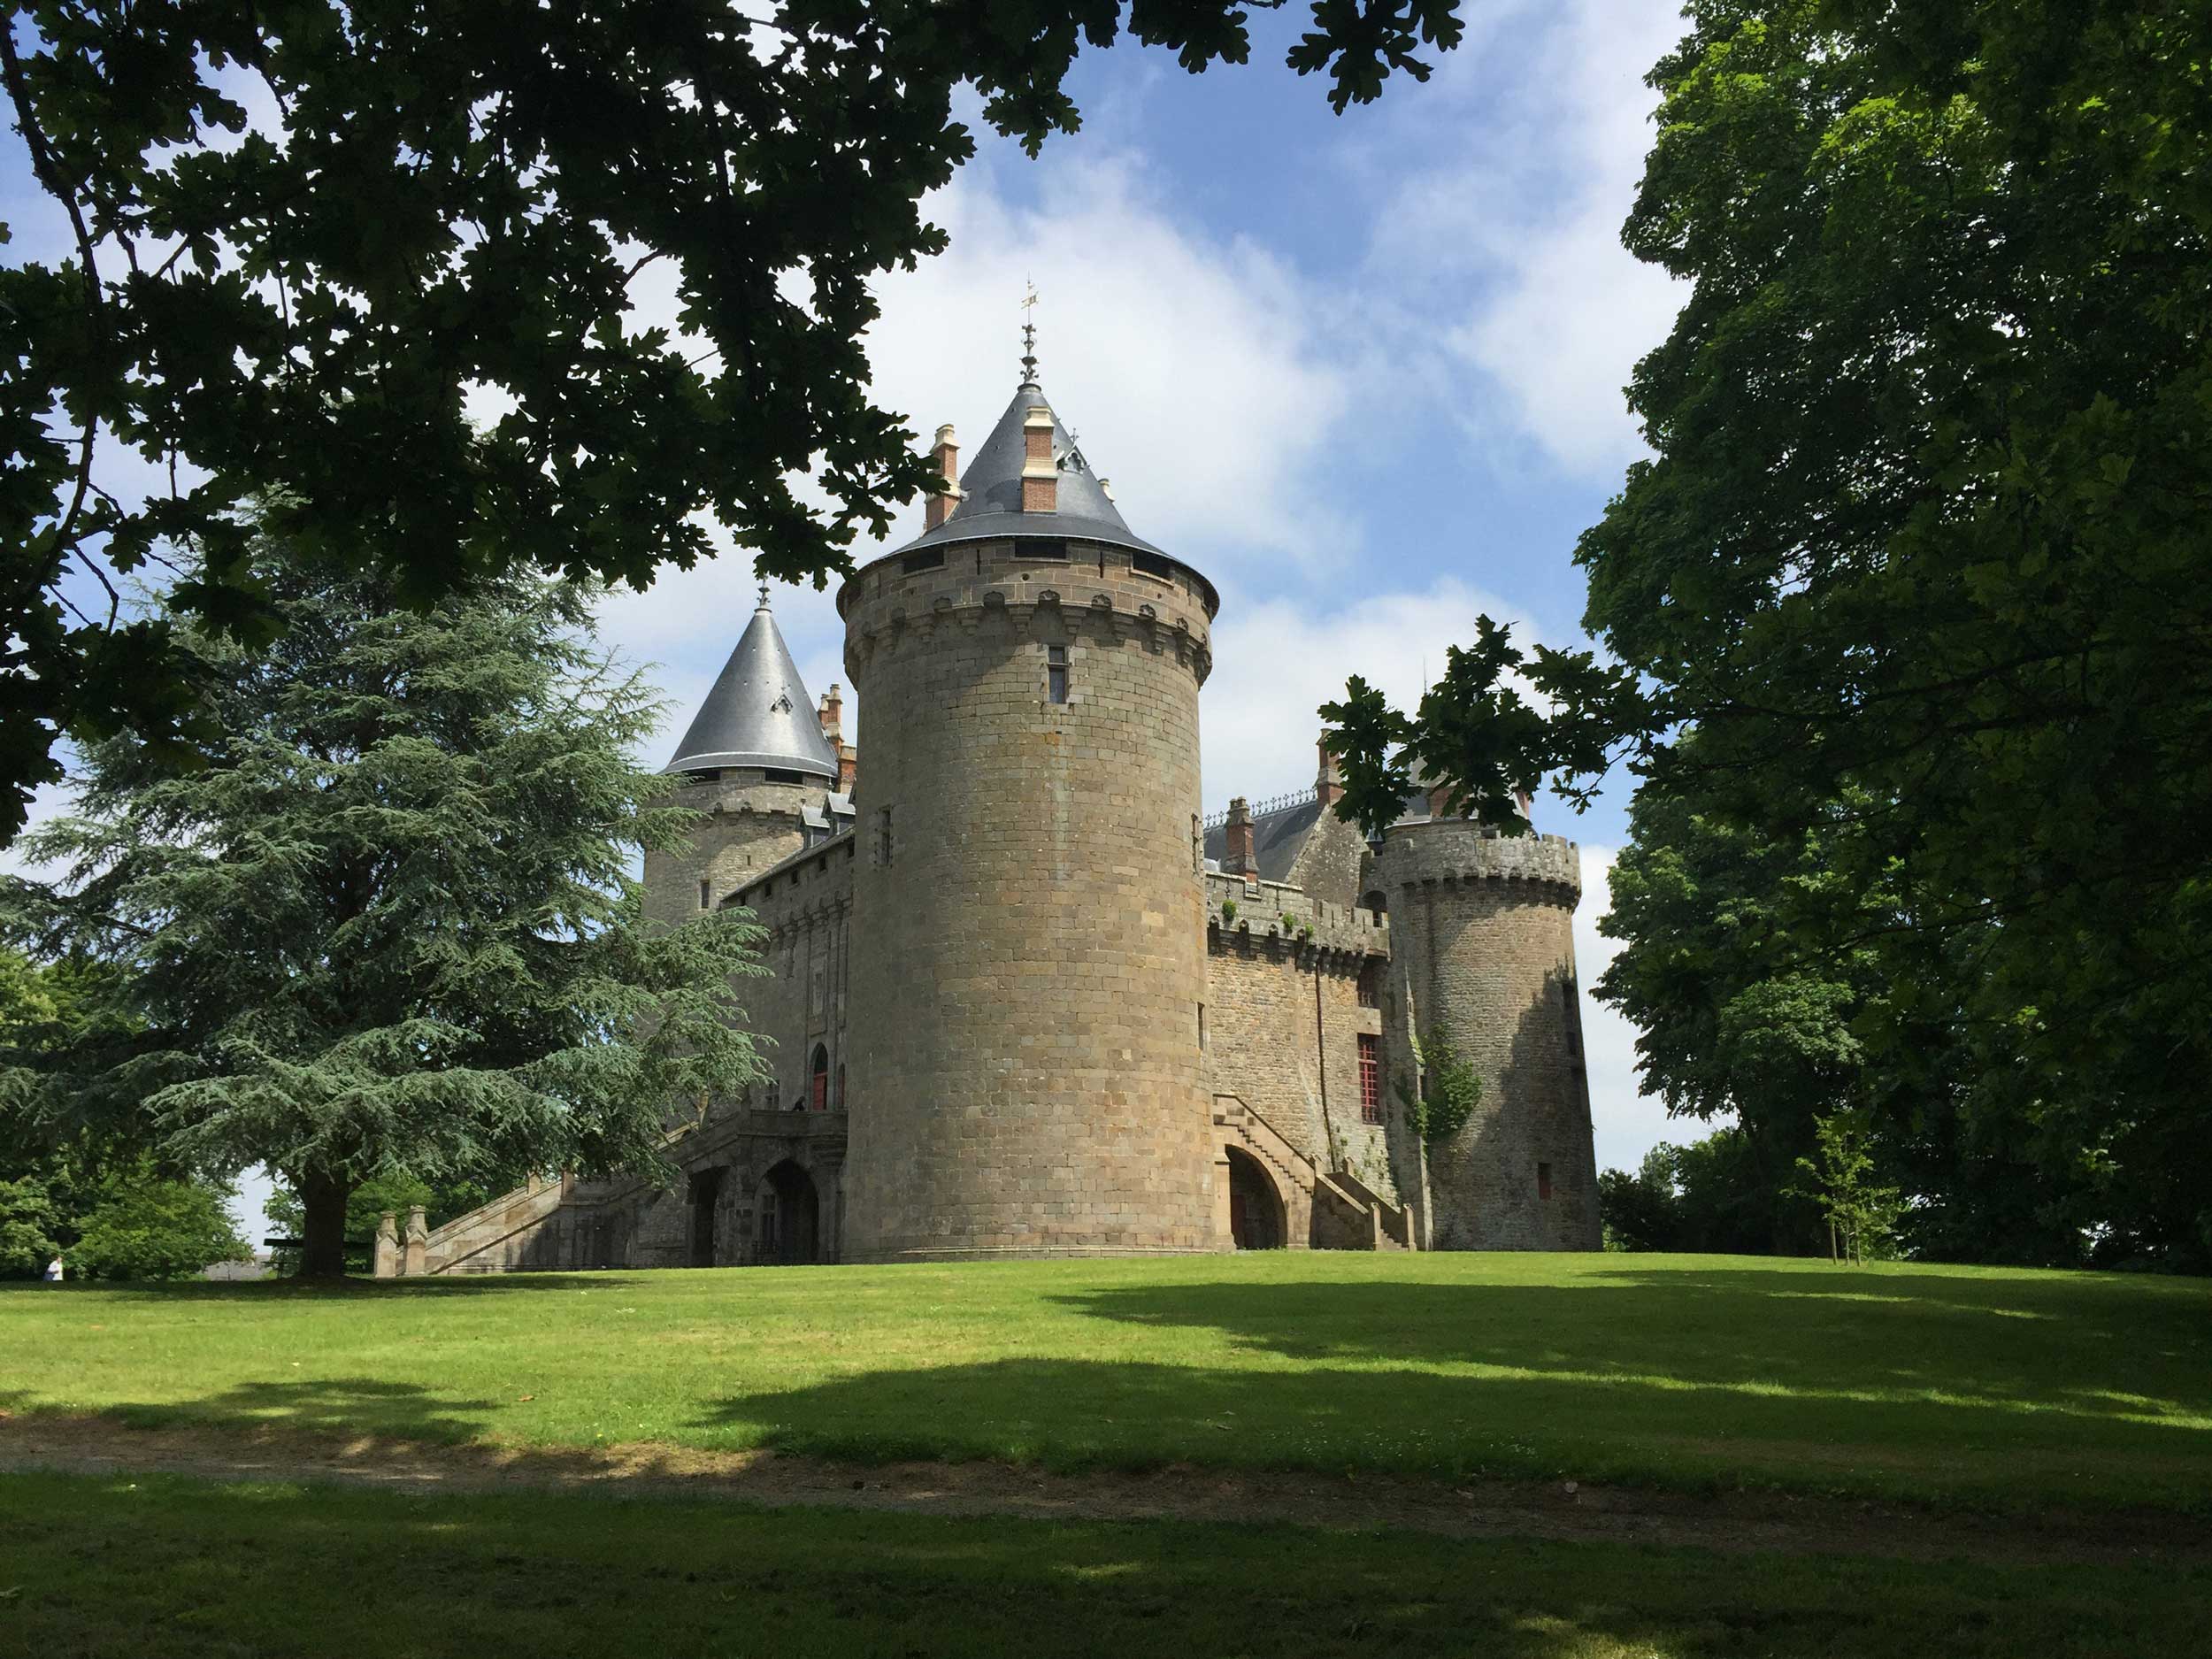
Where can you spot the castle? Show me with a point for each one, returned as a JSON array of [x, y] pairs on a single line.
[[1026, 1002]]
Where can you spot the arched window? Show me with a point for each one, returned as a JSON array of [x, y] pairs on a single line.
[[821, 1077]]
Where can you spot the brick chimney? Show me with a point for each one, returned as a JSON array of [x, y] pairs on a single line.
[[833, 713], [1238, 858], [1328, 783], [1040, 479], [847, 768], [947, 456]]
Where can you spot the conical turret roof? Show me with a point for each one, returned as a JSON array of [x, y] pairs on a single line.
[[758, 712], [990, 504]]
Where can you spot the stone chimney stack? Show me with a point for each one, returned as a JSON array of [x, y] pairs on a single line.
[[1328, 783], [847, 768], [1238, 858], [832, 714], [1041, 477], [947, 456]]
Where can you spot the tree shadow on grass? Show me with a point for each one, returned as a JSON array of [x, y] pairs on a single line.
[[266, 1291], [2074, 1346], [329, 1409], [1443, 1425], [193, 1570]]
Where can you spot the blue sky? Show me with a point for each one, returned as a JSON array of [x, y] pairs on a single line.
[[1366, 371]]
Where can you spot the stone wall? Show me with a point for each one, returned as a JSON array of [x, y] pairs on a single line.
[[805, 903], [1330, 865], [749, 824], [1482, 930], [1283, 1020], [1025, 1064]]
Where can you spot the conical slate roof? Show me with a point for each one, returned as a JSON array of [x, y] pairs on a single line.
[[758, 712], [990, 504]]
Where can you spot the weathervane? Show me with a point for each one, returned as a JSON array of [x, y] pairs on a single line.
[[1029, 336], [764, 596]]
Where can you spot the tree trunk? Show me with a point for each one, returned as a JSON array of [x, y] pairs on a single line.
[[323, 1235]]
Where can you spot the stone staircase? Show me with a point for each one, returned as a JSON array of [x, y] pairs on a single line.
[[511, 1233], [489, 1237], [1332, 1209]]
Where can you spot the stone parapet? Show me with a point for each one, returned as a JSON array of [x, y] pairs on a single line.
[[1455, 849], [1097, 594], [1271, 910]]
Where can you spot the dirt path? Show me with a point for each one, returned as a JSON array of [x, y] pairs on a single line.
[[1741, 1521]]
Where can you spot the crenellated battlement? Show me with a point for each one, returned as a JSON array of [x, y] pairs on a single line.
[[1261, 907], [1096, 593], [1456, 850]]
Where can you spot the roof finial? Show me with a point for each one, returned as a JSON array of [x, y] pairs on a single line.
[[1029, 336], [763, 596]]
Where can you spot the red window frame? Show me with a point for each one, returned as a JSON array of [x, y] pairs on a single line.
[[1370, 1079]]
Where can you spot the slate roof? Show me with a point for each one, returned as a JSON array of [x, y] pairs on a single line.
[[1278, 838], [990, 507], [758, 712]]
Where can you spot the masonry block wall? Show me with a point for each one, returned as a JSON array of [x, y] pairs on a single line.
[[799, 1010], [749, 824], [1283, 1020], [1482, 928], [1025, 1058], [1329, 866]]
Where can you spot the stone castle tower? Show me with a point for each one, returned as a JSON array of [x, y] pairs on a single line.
[[1022, 999], [1482, 949], [1025, 1014], [756, 762]]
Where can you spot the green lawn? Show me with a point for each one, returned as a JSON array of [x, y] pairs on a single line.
[[2012, 1389], [181, 1569]]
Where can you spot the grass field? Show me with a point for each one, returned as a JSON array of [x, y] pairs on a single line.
[[2009, 1390], [95, 1568]]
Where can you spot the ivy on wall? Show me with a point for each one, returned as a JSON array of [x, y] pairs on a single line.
[[1451, 1088]]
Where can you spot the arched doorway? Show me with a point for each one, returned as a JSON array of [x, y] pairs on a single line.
[[1256, 1209], [790, 1216]]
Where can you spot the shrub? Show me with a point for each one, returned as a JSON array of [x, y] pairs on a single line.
[[157, 1229]]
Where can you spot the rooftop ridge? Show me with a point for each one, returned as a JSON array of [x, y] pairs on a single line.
[[1261, 809]]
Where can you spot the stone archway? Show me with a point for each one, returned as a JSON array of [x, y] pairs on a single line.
[[790, 1216], [1257, 1220]]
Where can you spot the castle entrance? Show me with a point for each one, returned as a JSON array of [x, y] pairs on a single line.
[[706, 1188], [1255, 1208], [790, 1216]]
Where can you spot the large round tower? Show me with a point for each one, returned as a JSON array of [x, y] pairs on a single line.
[[1482, 948], [1025, 1068]]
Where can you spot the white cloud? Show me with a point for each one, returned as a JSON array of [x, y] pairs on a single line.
[[1525, 219], [1626, 1124], [1195, 370], [1276, 662]]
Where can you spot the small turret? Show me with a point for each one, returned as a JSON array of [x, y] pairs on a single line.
[[755, 758]]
